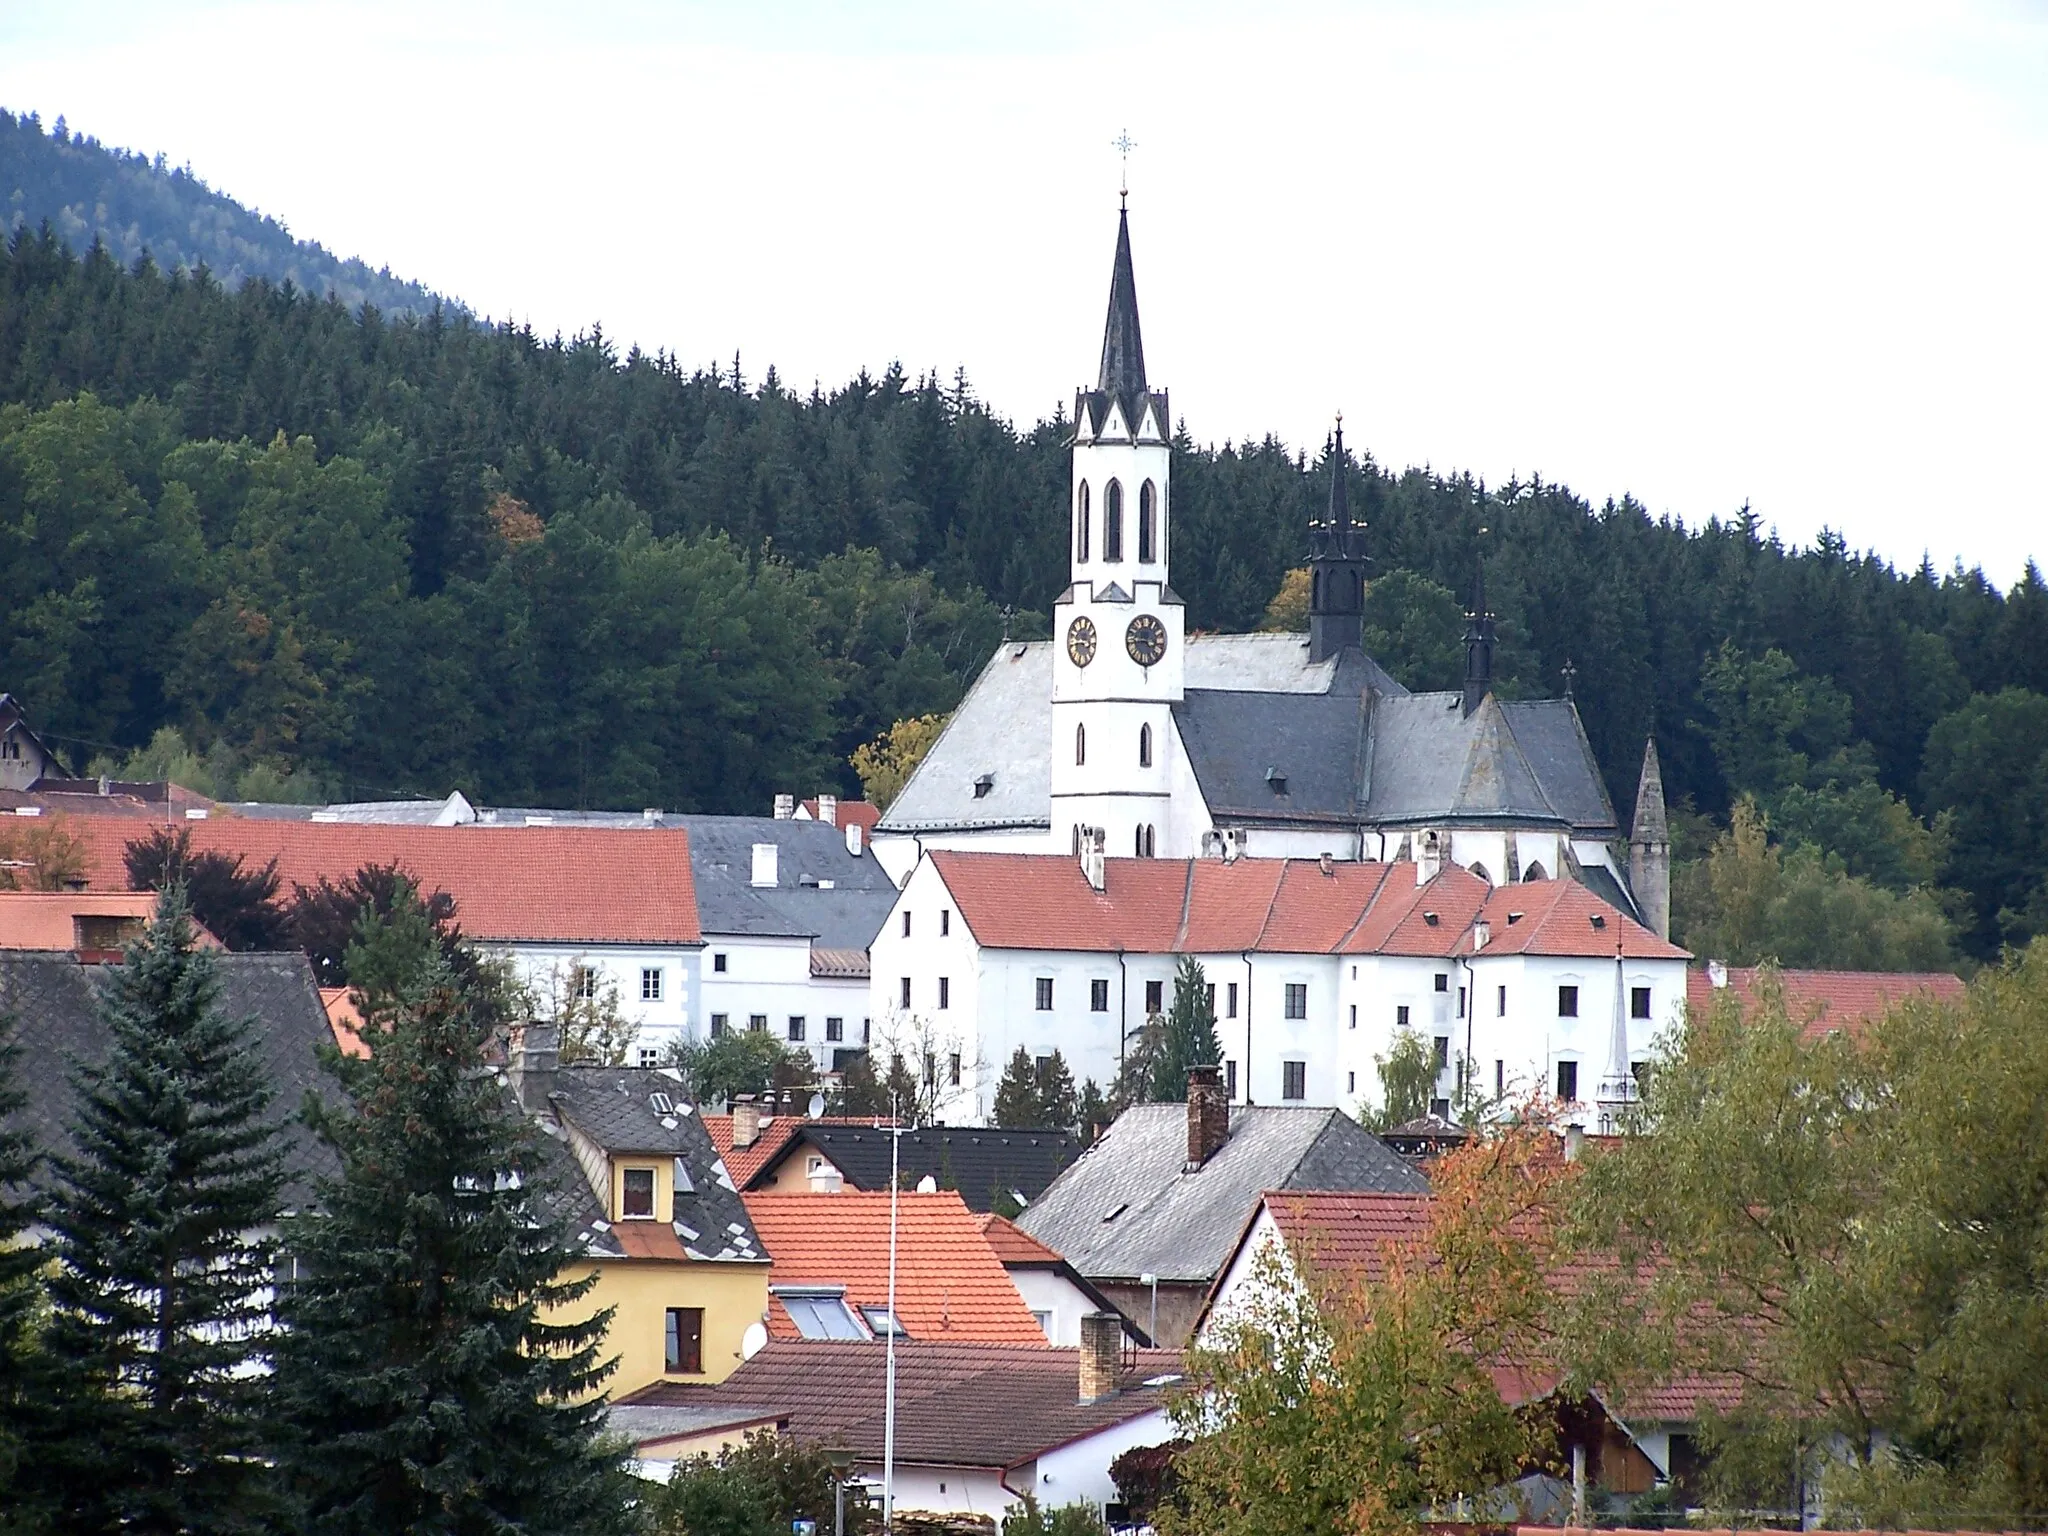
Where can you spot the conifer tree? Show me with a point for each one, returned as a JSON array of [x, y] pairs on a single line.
[[1016, 1104], [26, 1381], [159, 1323], [1189, 1039], [437, 1372]]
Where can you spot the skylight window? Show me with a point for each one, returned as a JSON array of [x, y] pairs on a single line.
[[820, 1313], [663, 1104], [882, 1324]]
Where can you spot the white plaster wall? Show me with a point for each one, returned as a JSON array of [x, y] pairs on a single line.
[[941, 1490], [772, 976], [898, 852], [1047, 1290], [1531, 1038], [672, 1018], [1079, 1473], [924, 955]]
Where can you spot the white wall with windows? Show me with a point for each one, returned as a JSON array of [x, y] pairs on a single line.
[[656, 985], [765, 983]]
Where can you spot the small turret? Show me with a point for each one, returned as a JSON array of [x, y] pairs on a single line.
[[1336, 565], [1649, 848], [1478, 640]]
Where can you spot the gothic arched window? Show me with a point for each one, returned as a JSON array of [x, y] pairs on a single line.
[[1480, 871], [1080, 745], [1138, 843], [1144, 746], [1148, 518], [1535, 871], [1151, 840], [1315, 600], [1081, 524], [1357, 591], [1113, 521]]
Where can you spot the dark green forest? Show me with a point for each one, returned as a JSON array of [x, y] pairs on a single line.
[[379, 555], [138, 203]]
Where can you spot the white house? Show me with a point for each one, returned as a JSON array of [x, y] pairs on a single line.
[[1312, 967], [1160, 744]]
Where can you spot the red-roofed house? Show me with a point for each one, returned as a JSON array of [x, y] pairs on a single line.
[[1313, 965], [95, 925], [1823, 1001], [828, 1271], [1057, 1294], [572, 906]]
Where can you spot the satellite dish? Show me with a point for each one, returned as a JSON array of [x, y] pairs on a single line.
[[817, 1105], [753, 1341], [927, 1185]]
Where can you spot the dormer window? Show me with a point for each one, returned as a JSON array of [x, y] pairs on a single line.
[[819, 1312], [983, 785], [636, 1194]]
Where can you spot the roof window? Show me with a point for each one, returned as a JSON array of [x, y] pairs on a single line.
[[662, 1103], [1431, 919], [1514, 918], [819, 1312], [1599, 920], [881, 1324], [983, 785], [1276, 781]]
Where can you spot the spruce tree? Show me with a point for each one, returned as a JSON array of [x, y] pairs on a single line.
[[1189, 1039], [159, 1323], [27, 1383], [1016, 1104], [1057, 1106], [435, 1375]]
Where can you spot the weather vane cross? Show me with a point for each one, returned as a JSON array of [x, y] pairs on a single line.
[[1123, 144]]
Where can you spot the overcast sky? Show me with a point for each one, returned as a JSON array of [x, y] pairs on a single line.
[[1786, 254]]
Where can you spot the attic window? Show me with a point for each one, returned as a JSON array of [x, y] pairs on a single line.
[[1514, 918], [1599, 921], [662, 1103], [1430, 918], [1115, 1211], [819, 1312], [882, 1324], [983, 785], [636, 1195], [1276, 781]]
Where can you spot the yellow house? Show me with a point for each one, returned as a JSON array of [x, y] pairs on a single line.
[[656, 1216]]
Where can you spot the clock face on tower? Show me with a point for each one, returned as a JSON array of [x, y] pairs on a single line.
[[1081, 640], [1146, 640]]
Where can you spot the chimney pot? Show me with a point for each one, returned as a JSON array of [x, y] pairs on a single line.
[[1208, 1114], [853, 838], [1102, 1355], [828, 810], [1574, 1142], [746, 1121], [785, 807]]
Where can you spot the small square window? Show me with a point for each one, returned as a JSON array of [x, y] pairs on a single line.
[[945, 921], [636, 1195], [1639, 1002], [1567, 1082], [796, 1026], [718, 963], [945, 991], [717, 1025], [650, 984], [1098, 996], [1443, 981], [1155, 997], [1293, 1079], [649, 1056], [1044, 988], [757, 1023], [1297, 999], [1567, 1004], [835, 1029]]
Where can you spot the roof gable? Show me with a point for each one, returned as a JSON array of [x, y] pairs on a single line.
[[982, 1164]]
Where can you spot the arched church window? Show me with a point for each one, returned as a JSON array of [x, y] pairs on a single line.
[[1535, 871], [1113, 520], [1144, 746], [1151, 840], [1081, 524], [1077, 839], [1080, 745], [1357, 591], [1480, 871], [1138, 843], [1315, 599], [1148, 518]]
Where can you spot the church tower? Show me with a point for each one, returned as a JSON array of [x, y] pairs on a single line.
[[1336, 563], [1649, 847], [1117, 629]]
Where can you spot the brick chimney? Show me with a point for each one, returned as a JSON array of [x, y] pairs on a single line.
[[535, 1058], [1208, 1114], [1102, 1355], [746, 1121]]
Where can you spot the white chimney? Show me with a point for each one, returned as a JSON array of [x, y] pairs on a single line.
[[853, 838], [785, 807], [1717, 975], [764, 864], [1482, 935], [1429, 858], [1091, 856], [828, 810]]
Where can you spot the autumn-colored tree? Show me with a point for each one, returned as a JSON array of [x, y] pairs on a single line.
[[40, 853], [1358, 1402], [1287, 613], [886, 763]]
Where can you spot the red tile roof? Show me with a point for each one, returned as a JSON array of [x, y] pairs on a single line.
[[574, 885], [48, 919], [1290, 906], [345, 1019], [851, 813], [1828, 1000], [1012, 1244], [948, 1282]]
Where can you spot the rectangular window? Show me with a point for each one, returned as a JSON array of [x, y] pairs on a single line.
[[1354, 1015], [1211, 999], [1500, 1078], [1044, 987], [953, 1069], [1461, 1002], [1500, 1006], [757, 1023], [906, 925], [1443, 981], [717, 1025], [685, 1350], [636, 1195], [718, 963], [867, 1029], [1297, 999], [1293, 1079], [903, 995], [1567, 1002], [945, 991], [1441, 1054], [1155, 997], [1351, 1082], [1098, 996], [835, 1029], [1230, 1000], [650, 983], [1567, 1082], [1401, 1016], [796, 1026], [1230, 1079], [1639, 1002], [586, 982], [945, 921]]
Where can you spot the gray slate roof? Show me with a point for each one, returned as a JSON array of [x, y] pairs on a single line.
[[1183, 1225], [983, 1164], [846, 916], [615, 1108], [54, 1002]]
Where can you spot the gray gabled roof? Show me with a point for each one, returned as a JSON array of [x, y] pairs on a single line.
[[822, 892], [54, 1002], [1129, 1206], [1429, 761]]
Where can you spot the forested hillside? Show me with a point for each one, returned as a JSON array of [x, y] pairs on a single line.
[[402, 555], [133, 203]]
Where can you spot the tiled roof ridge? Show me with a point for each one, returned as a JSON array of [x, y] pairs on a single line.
[[1366, 910]]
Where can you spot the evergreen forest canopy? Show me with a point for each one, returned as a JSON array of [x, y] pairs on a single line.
[[136, 203], [364, 555]]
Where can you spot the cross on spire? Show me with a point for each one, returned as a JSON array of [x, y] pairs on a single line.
[[1123, 144]]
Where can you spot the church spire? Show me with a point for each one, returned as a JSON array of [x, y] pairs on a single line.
[[1336, 564], [1123, 350], [1617, 1088], [1478, 637], [1340, 490], [1649, 848]]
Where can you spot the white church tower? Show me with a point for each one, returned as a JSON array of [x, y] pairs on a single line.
[[1117, 629]]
